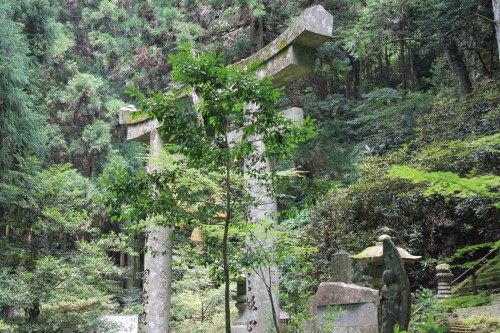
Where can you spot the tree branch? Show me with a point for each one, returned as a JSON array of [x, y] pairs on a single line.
[[486, 18]]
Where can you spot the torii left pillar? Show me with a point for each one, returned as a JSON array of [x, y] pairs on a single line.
[[158, 257]]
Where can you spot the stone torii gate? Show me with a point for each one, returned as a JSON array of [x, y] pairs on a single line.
[[289, 57]]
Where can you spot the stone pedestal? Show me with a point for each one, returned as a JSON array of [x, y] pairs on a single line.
[[344, 308], [125, 323], [444, 278]]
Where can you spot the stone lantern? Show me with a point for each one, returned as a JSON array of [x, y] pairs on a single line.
[[373, 256], [444, 277]]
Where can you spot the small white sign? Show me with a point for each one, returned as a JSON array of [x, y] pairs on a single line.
[[127, 323]]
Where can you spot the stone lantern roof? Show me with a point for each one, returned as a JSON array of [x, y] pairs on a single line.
[[376, 252]]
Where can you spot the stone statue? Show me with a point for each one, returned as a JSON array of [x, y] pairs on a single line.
[[395, 298]]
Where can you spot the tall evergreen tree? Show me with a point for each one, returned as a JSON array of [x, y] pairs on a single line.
[[20, 122]]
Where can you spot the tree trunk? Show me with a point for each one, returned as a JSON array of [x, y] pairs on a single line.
[[92, 164], [133, 267], [412, 67], [356, 77], [474, 284], [122, 259], [274, 313], [402, 64], [369, 74], [458, 67], [122, 265], [496, 14], [34, 311], [227, 222], [387, 67], [227, 292], [380, 71], [348, 91], [257, 38]]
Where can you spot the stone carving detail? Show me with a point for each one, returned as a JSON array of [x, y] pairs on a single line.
[[390, 300], [249, 284], [251, 304], [251, 325], [395, 300]]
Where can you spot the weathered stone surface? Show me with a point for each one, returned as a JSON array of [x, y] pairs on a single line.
[[395, 298], [289, 65], [331, 293], [256, 314], [349, 318], [311, 29], [292, 54], [444, 277], [240, 324], [376, 253], [296, 115], [369, 265], [158, 257], [341, 267], [126, 323], [345, 308], [129, 115], [139, 126], [157, 281], [141, 131], [493, 310], [259, 310]]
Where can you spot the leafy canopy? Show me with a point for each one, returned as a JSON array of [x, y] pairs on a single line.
[[448, 183], [201, 132]]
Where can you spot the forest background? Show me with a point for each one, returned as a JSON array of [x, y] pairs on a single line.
[[406, 94]]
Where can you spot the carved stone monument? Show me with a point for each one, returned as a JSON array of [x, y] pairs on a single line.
[[124, 323], [395, 297], [344, 308]]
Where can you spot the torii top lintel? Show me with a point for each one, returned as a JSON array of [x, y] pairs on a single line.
[[292, 54], [287, 58]]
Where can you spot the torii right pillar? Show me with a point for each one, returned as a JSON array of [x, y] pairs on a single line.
[[288, 58]]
